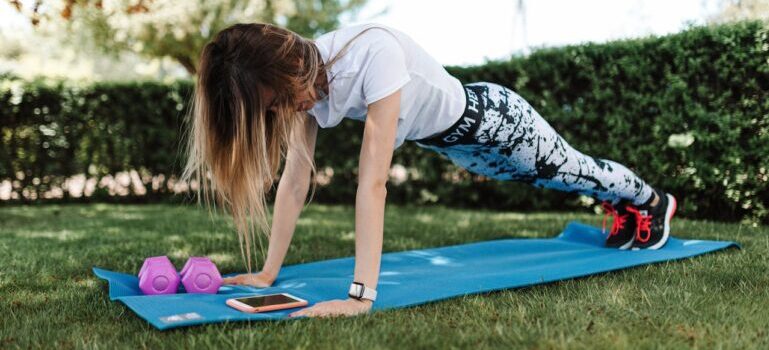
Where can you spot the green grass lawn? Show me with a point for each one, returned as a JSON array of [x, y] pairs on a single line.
[[49, 297]]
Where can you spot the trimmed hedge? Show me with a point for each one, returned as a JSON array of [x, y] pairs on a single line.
[[688, 112], [54, 131]]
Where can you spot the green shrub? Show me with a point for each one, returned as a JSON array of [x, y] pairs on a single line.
[[53, 131], [688, 112]]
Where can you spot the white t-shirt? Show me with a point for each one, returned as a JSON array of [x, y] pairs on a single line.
[[375, 65]]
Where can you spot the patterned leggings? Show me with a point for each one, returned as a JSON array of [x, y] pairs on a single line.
[[502, 137]]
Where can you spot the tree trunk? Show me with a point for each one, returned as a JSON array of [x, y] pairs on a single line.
[[187, 63]]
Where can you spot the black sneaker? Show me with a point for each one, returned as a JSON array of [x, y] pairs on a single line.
[[623, 228], [653, 223]]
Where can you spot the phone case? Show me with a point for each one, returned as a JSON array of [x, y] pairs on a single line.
[[234, 303]]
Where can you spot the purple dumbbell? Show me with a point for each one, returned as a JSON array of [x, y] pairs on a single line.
[[158, 276], [200, 275]]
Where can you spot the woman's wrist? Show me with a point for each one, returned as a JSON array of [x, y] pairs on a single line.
[[364, 301], [271, 274]]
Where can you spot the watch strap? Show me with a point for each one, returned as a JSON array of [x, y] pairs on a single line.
[[360, 291]]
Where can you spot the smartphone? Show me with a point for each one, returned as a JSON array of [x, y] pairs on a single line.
[[269, 302]]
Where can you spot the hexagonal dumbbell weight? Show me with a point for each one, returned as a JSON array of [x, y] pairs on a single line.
[[158, 276], [200, 275]]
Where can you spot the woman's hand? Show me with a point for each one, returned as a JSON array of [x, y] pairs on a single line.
[[333, 308], [261, 279]]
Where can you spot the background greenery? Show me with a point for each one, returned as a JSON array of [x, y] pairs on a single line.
[[688, 112], [52, 300], [161, 28]]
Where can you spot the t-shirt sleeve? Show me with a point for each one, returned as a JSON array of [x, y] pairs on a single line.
[[386, 71]]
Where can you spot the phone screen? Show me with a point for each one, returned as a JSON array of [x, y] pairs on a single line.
[[267, 300]]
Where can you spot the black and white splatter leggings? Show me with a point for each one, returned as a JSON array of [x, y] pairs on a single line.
[[502, 137]]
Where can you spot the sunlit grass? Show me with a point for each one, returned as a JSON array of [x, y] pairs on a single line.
[[49, 297]]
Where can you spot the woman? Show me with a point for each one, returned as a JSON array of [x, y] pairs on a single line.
[[262, 91]]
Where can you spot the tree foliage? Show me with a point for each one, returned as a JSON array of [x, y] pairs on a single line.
[[167, 28], [737, 10]]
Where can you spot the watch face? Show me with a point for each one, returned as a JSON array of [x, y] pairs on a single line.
[[356, 290]]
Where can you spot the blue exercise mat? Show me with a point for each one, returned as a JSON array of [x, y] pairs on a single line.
[[412, 277]]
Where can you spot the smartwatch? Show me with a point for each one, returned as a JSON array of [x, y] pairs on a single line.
[[360, 291]]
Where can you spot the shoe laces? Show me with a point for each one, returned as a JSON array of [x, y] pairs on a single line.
[[618, 221], [643, 224]]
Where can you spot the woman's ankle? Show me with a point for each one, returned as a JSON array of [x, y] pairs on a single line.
[[652, 202], [655, 200]]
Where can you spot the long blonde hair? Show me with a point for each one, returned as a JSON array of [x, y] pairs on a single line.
[[235, 145]]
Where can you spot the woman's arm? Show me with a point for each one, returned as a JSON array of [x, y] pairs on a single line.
[[292, 191], [373, 169]]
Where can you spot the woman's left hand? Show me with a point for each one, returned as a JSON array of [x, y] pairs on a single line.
[[332, 308]]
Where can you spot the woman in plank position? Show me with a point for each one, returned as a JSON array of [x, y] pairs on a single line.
[[262, 92]]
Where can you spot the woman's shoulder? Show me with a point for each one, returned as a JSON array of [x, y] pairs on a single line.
[[370, 33], [353, 29]]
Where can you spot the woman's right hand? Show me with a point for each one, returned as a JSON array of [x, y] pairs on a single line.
[[260, 280]]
